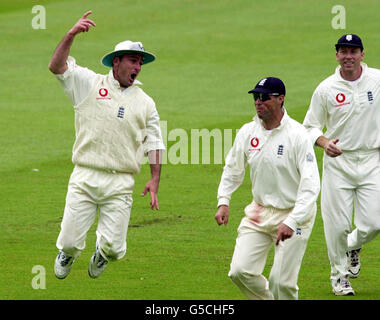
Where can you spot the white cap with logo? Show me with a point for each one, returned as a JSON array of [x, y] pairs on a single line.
[[127, 47]]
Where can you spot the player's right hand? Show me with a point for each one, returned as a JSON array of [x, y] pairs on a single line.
[[332, 149], [222, 214], [83, 24]]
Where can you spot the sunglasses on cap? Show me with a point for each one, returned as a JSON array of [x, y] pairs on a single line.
[[263, 96]]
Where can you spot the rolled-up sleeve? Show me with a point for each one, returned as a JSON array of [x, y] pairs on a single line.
[[76, 81]]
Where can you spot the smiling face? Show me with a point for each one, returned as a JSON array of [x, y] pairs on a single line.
[[349, 59], [126, 68]]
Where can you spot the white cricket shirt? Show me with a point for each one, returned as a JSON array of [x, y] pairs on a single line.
[[349, 112], [115, 127], [283, 168]]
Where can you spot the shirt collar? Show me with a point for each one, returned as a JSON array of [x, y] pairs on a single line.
[[116, 83], [283, 122], [339, 77]]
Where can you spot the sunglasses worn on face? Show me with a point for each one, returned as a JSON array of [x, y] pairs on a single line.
[[263, 96]]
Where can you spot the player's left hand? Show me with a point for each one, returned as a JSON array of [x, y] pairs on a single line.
[[83, 25], [283, 233], [152, 188]]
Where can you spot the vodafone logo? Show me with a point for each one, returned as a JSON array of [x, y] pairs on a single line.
[[103, 93], [340, 97], [255, 143]]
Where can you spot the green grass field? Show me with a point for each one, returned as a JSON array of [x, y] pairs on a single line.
[[209, 54]]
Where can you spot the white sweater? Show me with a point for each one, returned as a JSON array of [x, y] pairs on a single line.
[[114, 128]]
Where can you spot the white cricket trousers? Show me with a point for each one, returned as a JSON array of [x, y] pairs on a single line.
[[253, 243], [90, 190], [350, 183]]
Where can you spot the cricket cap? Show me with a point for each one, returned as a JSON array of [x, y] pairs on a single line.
[[349, 40], [269, 85], [127, 47]]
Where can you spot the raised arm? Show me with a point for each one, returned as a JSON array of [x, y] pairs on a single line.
[[57, 63]]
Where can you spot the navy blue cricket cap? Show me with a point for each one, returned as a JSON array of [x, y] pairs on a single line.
[[269, 85], [349, 40]]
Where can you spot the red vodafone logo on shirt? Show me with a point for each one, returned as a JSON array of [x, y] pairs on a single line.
[[255, 143], [340, 97], [103, 93]]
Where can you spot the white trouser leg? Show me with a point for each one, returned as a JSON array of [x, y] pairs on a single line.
[[248, 263], [287, 263], [337, 196], [367, 204], [353, 177], [112, 228], [80, 213]]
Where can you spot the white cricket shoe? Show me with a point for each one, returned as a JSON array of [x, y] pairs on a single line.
[[353, 263], [97, 264], [342, 287], [62, 265]]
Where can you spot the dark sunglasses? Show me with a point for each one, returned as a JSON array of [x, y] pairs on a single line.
[[263, 96]]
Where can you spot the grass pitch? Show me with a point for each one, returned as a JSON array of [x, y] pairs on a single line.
[[209, 54]]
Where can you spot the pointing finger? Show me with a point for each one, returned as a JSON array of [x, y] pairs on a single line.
[[86, 14]]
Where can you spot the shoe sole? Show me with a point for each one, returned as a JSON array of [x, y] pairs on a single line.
[[90, 271], [353, 275], [341, 293], [91, 276]]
